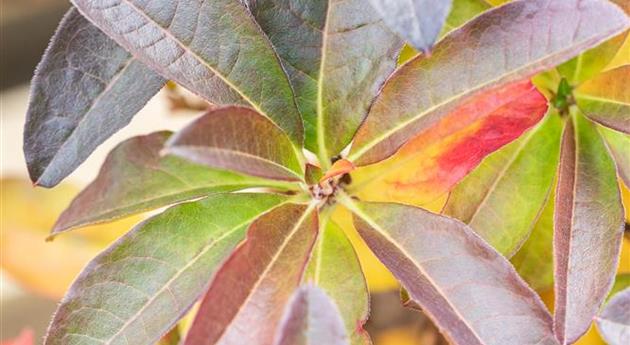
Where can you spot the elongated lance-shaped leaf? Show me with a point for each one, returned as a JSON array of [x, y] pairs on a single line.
[[311, 318], [85, 89], [614, 322], [419, 22], [240, 139], [534, 260], [337, 54], [335, 268], [502, 199], [588, 228], [606, 98], [213, 48], [134, 292], [135, 178], [429, 165], [470, 291], [590, 63], [619, 146], [511, 42], [257, 281]]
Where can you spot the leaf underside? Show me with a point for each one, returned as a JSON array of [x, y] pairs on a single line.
[[588, 228], [310, 318], [614, 322], [419, 22], [469, 290], [85, 89]]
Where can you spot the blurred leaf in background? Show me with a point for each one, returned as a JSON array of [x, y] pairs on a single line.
[[47, 268]]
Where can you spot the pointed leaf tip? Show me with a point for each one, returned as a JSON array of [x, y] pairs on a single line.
[[311, 317]]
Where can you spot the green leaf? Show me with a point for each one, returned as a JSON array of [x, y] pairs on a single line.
[[619, 146], [417, 21], [508, 44], [614, 322], [311, 317], [534, 261], [213, 48], [335, 268], [606, 98], [257, 281], [590, 63], [337, 54], [136, 290], [135, 178], [502, 198], [85, 89], [588, 228], [622, 281], [467, 288], [240, 139]]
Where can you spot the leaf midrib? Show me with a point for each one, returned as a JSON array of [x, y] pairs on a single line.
[[269, 266], [179, 272], [473, 91], [355, 209]]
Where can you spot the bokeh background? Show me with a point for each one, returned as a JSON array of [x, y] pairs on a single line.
[[34, 273]]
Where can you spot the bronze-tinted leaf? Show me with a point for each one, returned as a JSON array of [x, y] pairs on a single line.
[[614, 322], [85, 89], [213, 48], [337, 54], [506, 44], [134, 292], [240, 139], [135, 178], [417, 21], [470, 291], [310, 318], [257, 280], [588, 228]]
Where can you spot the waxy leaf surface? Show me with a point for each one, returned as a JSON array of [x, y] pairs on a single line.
[[334, 267], [85, 89], [134, 292], [504, 45], [470, 291], [429, 165], [257, 280], [311, 318], [240, 139], [588, 228], [614, 322], [502, 199], [337, 54], [213, 48], [135, 178], [534, 260], [606, 98], [419, 22], [619, 146]]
